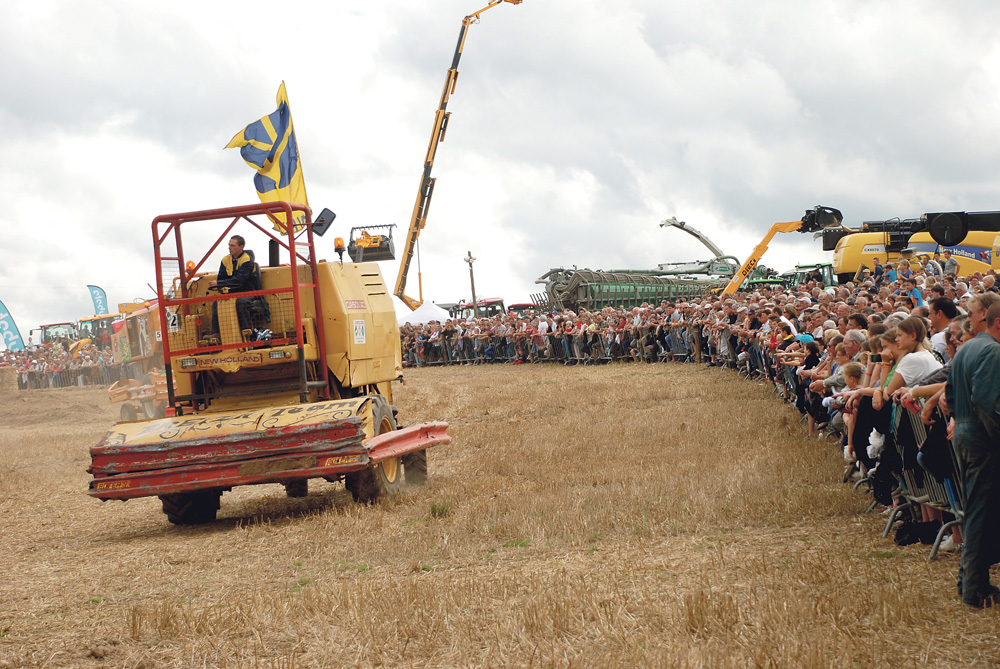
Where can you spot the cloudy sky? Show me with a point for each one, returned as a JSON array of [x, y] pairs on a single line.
[[576, 128]]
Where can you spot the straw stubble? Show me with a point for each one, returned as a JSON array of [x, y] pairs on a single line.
[[610, 516]]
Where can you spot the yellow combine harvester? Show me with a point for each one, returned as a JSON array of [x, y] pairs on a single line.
[[286, 381], [972, 237]]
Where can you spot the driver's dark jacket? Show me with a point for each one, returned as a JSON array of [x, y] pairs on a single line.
[[236, 276]]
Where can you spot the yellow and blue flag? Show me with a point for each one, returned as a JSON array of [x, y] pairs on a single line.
[[269, 146]]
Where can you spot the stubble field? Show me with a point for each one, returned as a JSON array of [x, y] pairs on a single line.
[[627, 515]]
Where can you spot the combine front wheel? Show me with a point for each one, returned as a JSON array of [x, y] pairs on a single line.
[[382, 480], [191, 508], [415, 467], [297, 488]]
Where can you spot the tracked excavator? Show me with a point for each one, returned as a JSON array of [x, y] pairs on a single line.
[[286, 382]]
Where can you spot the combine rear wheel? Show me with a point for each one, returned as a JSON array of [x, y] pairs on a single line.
[[381, 481], [191, 508]]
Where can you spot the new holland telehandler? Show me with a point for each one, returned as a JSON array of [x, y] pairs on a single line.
[[289, 381]]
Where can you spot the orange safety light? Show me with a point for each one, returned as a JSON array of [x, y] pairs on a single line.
[[338, 246], [190, 265]]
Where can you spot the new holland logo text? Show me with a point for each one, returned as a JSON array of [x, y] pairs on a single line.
[[239, 358]]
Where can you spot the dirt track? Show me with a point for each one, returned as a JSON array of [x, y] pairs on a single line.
[[606, 516]]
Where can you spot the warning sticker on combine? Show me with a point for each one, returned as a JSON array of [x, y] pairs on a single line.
[[355, 304], [359, 332]]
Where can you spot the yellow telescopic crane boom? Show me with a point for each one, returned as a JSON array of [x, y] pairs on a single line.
[[751, 263], [419, 217], [815, 219]]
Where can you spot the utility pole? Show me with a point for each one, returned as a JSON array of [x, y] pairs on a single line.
[[472, 279]]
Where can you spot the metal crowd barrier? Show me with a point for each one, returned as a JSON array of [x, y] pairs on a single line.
[[918, 485], [95, 375], [677, 343]]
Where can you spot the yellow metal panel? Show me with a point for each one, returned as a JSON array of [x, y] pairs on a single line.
[[861, 248], [229, 325], [385, 390], [187, 338], [281, 277], [360, 324], [339, 365], [370, 371]]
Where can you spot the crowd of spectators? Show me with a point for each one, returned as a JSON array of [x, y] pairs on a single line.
[[62, 363], [884, 388], [670, 330], [868, 364]]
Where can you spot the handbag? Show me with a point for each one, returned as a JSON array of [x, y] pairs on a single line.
[[935, 451]]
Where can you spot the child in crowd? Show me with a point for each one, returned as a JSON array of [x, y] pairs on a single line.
[[853, 373]]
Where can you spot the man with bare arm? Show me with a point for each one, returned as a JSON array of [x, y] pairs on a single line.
[[973, 397]]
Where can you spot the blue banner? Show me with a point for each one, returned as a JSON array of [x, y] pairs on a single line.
[[100, 300], [8, 331], [978, 253]]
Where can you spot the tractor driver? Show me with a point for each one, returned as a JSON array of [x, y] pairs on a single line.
[[236, 275], [236, 269]]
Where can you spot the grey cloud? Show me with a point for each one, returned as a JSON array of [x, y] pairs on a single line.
[[749, 111], [93, 63]]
